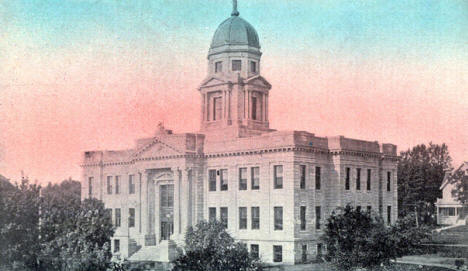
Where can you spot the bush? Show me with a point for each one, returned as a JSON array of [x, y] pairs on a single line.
[[209, 247]]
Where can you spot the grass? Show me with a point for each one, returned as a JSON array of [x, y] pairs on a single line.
[[327, 267]]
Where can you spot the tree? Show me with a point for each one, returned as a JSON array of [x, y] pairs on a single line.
[[459, 178], [209, 247], [421, 172], [19, 227], [357, 239]]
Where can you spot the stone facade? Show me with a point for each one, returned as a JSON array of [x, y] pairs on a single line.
[[274, 189]]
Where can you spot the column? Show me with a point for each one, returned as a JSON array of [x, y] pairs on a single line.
[[177, 206]]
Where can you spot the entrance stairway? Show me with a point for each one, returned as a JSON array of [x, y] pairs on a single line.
[[165, 251]]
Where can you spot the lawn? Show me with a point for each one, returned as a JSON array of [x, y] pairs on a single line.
[[327, 267]]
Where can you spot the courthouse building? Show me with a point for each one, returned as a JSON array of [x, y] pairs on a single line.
[[272, 189]]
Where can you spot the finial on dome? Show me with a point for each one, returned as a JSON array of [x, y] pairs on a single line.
[[234, 8]]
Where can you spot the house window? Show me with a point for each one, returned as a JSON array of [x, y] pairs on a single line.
[[369, 208], [224, 216], [116, 245], [253, 66], [347, 185], [304, 253], [303, 218], [109, 185], [254, 251], [90, 186], [212, 214], [243, 178], [255, 212], [217, 108], [318, 178], [277, 254], [303, 176], [224, 179], [254, 108], [278, 175], [117, 217], [318, 214], [236, 65], [212, 180], [218, 66], [117, 184], [278, 212], [166, 193], [389, 180], [389, 214], [131, 184], [358, 179], [369, 179], [255, 182], [242, 218], [131, 217]]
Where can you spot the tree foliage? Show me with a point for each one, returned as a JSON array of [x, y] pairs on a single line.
[[209, 247], [459, 178], [421, 172], [358, 239]]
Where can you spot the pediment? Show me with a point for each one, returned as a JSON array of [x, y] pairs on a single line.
[[212, 81], [168, 175], [258, 81], [156, 148]]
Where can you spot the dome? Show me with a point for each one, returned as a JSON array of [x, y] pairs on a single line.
[[235, 31]]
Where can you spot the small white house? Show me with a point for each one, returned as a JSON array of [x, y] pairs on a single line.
[[449, 210]]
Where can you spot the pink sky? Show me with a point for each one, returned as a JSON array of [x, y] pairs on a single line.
[[103, 93]]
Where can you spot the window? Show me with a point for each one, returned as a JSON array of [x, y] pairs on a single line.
[[117, 185], [218, 66], [217, 108], [347, 185], [117, 217], [389, 214], [358, 208], [447, 211], [109, 185], [318, 215], [304, 253], [369, 208], [90, 186], [302, 169], [236, 65], [224, 216], [255, 213], [277, 254], [303, 218], [254, 251], [212, 179], [253, 66], [389, 180], [255, 178], [212, 214], [131, 184], [278, 218], [131, 217], [116, 245], [369, 174], [242, 218], [243, 178], [224, 179], [358, 179], [319, 249], [318, 178], [254, 108], [166, 195], [278, 175]]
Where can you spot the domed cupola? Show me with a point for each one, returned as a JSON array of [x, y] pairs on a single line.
[[235, 34]]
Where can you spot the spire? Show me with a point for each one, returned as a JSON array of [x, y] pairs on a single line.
[[234, 8]]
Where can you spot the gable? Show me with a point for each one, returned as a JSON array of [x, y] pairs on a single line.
[[156, 148], [212, 81], [258, 81]]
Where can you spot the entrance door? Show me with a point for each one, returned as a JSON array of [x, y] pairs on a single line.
[[167, 229]]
